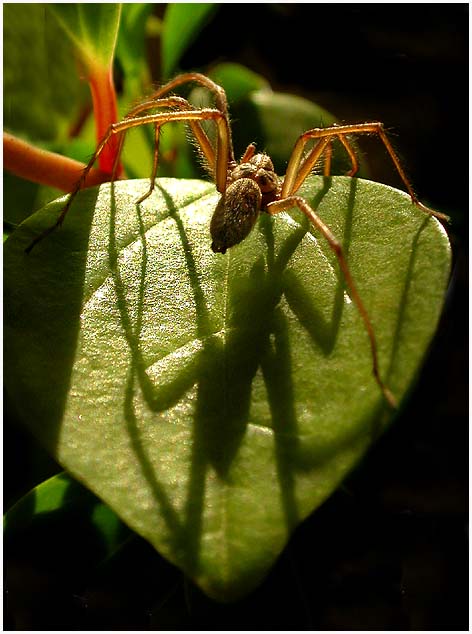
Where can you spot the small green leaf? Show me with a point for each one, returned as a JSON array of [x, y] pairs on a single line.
[[238, 81], [214, 401], [182, 22], [44, 498], [64, 499], [93, 28], [7, 230]]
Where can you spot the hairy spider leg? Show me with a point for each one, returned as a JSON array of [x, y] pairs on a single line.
[[206, 114], [217, 164], [201, 137], [328, 156], [221, 102], [314, 155], [296, 173], [352, 155], [297, 201], [155, 163], [249, 153], [181, 103]]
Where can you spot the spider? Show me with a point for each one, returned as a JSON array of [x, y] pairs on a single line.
[[250, 186]]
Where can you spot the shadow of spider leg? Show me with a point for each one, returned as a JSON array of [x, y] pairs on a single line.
[[158, 120], [297, 201], [299, 168]]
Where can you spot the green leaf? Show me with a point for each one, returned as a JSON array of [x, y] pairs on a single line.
[[93, 28], [182, 23], [238, 81], [43, 92], [65, 497], [60, 501], [212, 401]]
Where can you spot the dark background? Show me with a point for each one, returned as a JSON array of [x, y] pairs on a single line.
[[389, 549]]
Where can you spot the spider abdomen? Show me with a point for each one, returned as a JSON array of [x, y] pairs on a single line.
[[235, 214]]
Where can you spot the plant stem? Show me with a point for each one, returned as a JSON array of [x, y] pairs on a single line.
[[106, 112], [44, 167]]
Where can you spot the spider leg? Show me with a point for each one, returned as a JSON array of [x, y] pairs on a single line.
[[220, 162], [296, 173], [198, 131], [249, 153], [152, 181], [297, 201], [158, 119], [200, 135], [329, 154], [324, 146], [352, 155], [221, 101], [217, 161], [327, 159]]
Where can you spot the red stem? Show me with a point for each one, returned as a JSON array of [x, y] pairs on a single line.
[[106, 112], [46, 168]]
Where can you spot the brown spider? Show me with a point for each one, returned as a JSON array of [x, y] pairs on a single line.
[[250, 186]]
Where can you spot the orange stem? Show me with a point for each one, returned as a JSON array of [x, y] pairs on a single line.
[[44, 167], [106, 112]]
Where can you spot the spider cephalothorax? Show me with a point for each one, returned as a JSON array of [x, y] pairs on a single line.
[[258, 167], [250, 186]]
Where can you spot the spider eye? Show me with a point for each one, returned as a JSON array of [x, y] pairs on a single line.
[[245, 170]]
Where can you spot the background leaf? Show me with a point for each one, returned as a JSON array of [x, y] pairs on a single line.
[[215, 401], [238, 81], [56, 87], [131, 50], [93, 28]]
